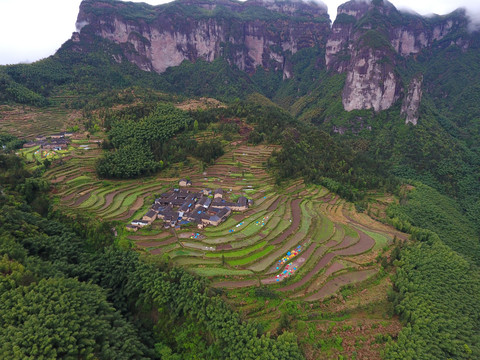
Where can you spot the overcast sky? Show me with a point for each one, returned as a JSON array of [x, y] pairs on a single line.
[[34, 29]]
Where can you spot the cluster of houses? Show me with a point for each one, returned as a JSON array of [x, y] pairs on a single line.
[[57, 142], [181, 206]]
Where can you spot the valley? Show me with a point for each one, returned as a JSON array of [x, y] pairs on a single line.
[[300, 244], [243, 180]]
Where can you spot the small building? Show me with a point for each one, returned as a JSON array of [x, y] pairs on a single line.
[[221, 203], [218, 194], [221, 215], [204, 202], [131, 227], [185, 182], [224, 213], [150, 216], [214, 220], [40, 138], [140, 223], [240, 205]]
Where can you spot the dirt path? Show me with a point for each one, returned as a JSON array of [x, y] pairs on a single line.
[[296, 215]]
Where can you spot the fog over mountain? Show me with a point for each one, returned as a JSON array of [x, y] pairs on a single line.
[[37, 29]]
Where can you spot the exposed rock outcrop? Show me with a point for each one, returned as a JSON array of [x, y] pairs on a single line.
[[411, 102], [251, 34], [366, 41], [371, 82]]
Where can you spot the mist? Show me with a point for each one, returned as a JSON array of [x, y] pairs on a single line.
[[33, 29]]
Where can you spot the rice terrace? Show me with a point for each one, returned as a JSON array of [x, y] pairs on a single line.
[[250, 248], [299, 246]]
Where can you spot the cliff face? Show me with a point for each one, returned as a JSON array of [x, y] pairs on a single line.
[[248, 35], [369, 40]]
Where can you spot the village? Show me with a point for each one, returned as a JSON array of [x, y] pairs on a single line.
[[181, 206], [56, 142]]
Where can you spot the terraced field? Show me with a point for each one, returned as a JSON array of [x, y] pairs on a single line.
[[299, 240], [28, 122]]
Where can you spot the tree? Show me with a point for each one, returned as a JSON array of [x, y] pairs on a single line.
[[63, 318]]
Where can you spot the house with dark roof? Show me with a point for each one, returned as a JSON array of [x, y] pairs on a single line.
[[204, 202], [185, 182], [181, 206], [156, 207], [150, 216], [131, 227], [240, 205]]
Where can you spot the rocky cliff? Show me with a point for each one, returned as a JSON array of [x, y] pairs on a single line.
[[249, 34], [369, 40]]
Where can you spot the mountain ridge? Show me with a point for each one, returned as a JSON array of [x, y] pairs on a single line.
[[367, 41]]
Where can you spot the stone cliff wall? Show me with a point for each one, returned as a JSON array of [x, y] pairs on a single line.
[[367, 41], [168, 39], [371, 81]]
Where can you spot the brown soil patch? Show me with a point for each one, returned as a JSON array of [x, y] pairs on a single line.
[[150, 237], [222, 247], [156, 243], [202, 103], [334, 200], [365, 243], [336, 266], [81, 199], [346, 242], [273, 207], [359, 338], [235, 284], [296, 215], [336, 283]]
